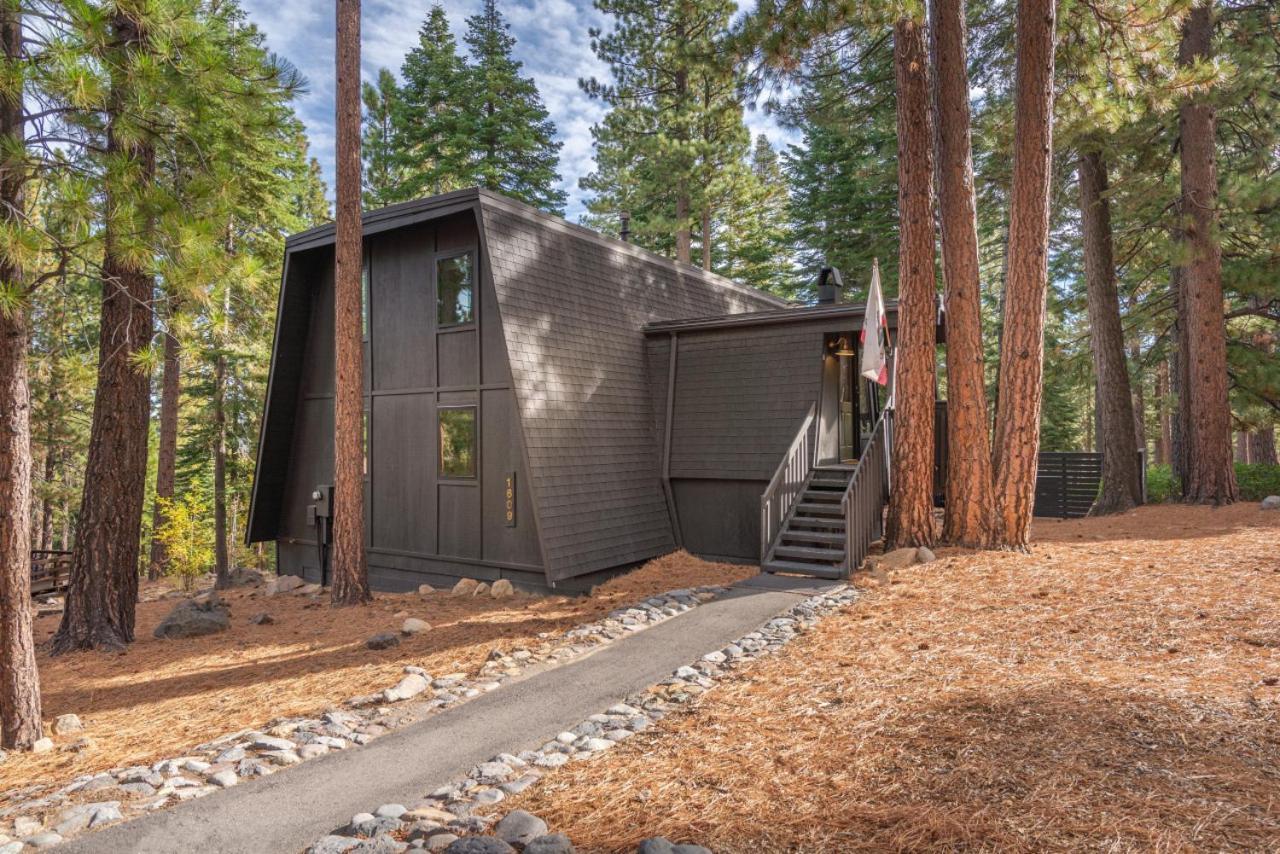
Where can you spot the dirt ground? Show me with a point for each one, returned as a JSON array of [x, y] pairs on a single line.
[[1118, 689], [161, 697]]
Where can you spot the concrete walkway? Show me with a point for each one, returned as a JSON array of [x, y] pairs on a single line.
[[289, 810]]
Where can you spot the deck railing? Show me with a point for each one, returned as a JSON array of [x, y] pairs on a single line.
[[864, 497], [786, 484], [50, 571]]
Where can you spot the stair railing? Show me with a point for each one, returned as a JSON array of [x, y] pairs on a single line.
[[865, 496], [788, 480]]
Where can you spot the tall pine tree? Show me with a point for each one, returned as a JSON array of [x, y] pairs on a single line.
[[431, 142], [383, 181]]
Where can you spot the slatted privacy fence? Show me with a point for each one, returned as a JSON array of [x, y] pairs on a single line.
[[1067, 482], [50, 571]]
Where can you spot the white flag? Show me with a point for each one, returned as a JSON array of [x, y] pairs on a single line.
[[875, 333]]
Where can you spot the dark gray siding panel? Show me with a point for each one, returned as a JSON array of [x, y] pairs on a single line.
[[459, 514], [403, 475], [459, 362], [401, 308], [500, 441], [572, 310], [317, 360], [310, 464], [740, 396], [720, 518]]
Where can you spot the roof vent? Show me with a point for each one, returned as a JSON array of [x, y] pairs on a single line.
[[830, 286]]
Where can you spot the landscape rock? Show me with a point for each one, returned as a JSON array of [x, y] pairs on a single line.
[[897, 559], [12, 847], [465, 587], [1271, 502], [413, 625], [44, 840], [224, 779], [502, 589], [479, 845], [425, 590], [284, 584], [384, 640], [243, 577], [408, 687], [67, 724], [42, 745], [520, 827], [262, 619], [552, 843], [195, 618], [482, 589], [270, 742], [311, 589], [924, 554], [659, 845], [440, 841], [391, 811], [332, 844]]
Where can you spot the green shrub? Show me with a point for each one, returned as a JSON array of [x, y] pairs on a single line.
[[1161, 484], [1256, 481]]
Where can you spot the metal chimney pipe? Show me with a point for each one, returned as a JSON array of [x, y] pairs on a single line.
[[625, 231], [830, 286]]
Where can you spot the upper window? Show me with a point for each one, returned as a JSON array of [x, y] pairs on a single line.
[[455, 289], [457, 441]]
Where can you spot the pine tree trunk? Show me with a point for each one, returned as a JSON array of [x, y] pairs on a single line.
[[706, 238], [1121, 479], [103, 589], [1242, 446], [1017, 430], [968, 489], [1262, 446], [167, 456], [20, 725], [350, 570], [1179, 383], [684, 236], [1165, 440], [910, 519], [1211, 477], [46, 504], [221, 557], [1139, 388]]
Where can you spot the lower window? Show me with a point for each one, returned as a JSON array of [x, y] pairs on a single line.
[[457, 427]]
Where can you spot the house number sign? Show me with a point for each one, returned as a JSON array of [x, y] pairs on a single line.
[[509, 495]]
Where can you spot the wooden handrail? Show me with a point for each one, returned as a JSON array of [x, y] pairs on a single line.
[[785, 485], [864, 497]]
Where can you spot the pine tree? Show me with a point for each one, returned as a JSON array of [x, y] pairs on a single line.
[[754, 248], [511, 137], [431, 142], [383, 181]]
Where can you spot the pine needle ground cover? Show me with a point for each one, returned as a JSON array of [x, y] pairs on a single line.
[[162, 697], [1117, 689]]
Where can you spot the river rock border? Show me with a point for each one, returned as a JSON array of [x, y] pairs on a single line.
[[455, 818], [44, 816]]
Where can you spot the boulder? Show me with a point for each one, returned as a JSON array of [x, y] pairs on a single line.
[[333, 844], [465, 587], [924, 554], [1271, 502], [384, 640], [897, 559], [284, 584], [552, 843], [67, 724], [413, 625], [658, 845], [312, 589], [195, 618], [425, 590], [479, 845], [502, 589], [407, 688], [42, 745], [482, 589], [242, 577], [262, 619], [520, 828]]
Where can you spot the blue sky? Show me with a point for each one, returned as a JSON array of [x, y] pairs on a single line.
[[552, 42]]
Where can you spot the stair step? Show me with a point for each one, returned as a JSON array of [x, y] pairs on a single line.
[[825, 496], [836, 522], [813, 569], [818, 509], [793, 536], [834, 481], [809, 553]]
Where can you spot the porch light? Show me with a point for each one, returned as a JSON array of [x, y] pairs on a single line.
[[843, 350]]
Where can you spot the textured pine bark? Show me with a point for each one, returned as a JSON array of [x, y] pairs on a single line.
[[910, 519], [167, 455], [20, 723], [350, 570], [967, 519], [1179, 382], [103, 587], [1121, 479], [1211, 477], [1165, 440], [1017, 434], [1262, 446]]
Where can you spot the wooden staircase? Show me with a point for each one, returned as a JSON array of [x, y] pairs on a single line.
[[812, 538]]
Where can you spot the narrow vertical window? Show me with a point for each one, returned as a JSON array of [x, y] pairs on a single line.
[[457, 441], [455, 289], [364, 442]]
